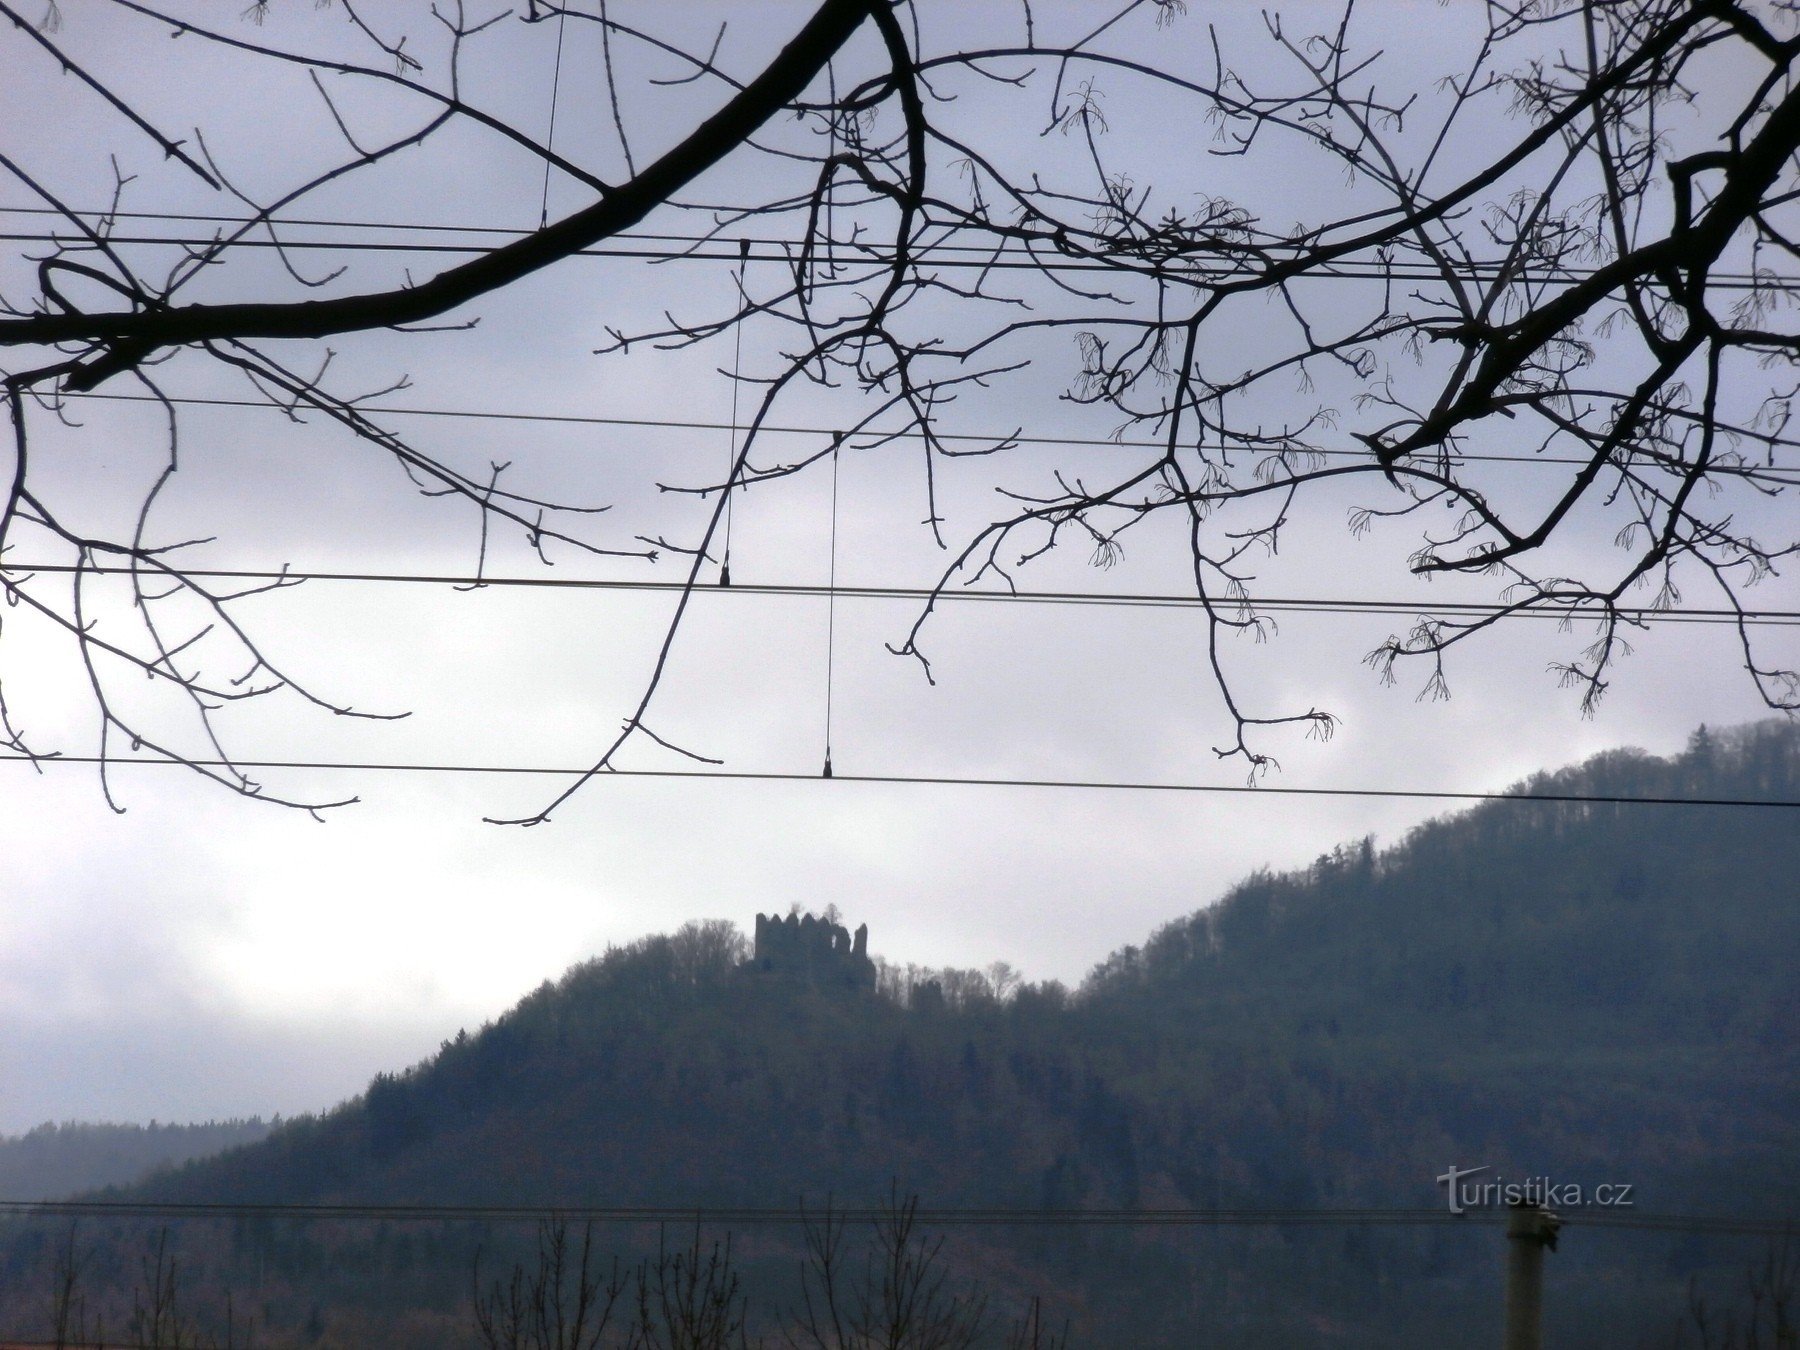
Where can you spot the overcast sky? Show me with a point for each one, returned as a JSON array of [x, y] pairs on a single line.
[[201, 955]]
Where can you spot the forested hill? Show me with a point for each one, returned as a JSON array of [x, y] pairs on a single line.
[[1523, 928], [1594, 993]]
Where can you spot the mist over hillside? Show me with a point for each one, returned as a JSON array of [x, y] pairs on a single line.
[[54, 1161], [1597, 993]]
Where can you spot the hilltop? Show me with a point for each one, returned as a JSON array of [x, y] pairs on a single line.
[[1591, 992]]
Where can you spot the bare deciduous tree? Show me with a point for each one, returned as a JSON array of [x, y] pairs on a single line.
[[902, 1298], [689, 1299], [559, 1303], [1574, 253], [1030, 1333], [1764, 1316], [161, 1318], [68, 1301]]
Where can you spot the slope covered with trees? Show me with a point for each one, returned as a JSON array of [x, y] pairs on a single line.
[[1586, 992]]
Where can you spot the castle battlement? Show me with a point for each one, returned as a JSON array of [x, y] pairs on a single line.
[[803, 946]]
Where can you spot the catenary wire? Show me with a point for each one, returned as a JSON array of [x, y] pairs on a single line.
[[514, 232], [1745, 1225], [691, 247], [1191, 272], [1766, 474], [983, 250], [1134, 600], [115, 763]]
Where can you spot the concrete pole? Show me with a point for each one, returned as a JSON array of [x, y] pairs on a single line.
[[1529, 1230]]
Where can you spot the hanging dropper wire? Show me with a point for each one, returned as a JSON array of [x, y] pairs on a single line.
[[731, 452], [831, 176], [562, 18], [837, 441]]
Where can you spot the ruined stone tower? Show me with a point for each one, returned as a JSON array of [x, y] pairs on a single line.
[[814, 950]]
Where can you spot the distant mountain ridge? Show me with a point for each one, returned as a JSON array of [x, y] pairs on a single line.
[[1591, 992], [52, 1161]]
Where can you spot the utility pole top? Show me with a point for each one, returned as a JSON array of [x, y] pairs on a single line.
[[1533, 1223], [1530, 1231]]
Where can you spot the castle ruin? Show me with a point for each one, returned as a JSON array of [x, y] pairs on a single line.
[[812, 949]]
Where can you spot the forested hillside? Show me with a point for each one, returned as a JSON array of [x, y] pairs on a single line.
[[1593, 993]]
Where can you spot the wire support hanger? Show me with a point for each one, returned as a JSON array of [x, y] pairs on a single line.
[[562, 19], [837, 443], [731, 452]]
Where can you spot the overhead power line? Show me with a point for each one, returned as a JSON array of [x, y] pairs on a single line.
[[1175, 269], [1549, 609], [1003, 255], [916, 780], [749, 1215], [1760, 473], [507, 232]]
